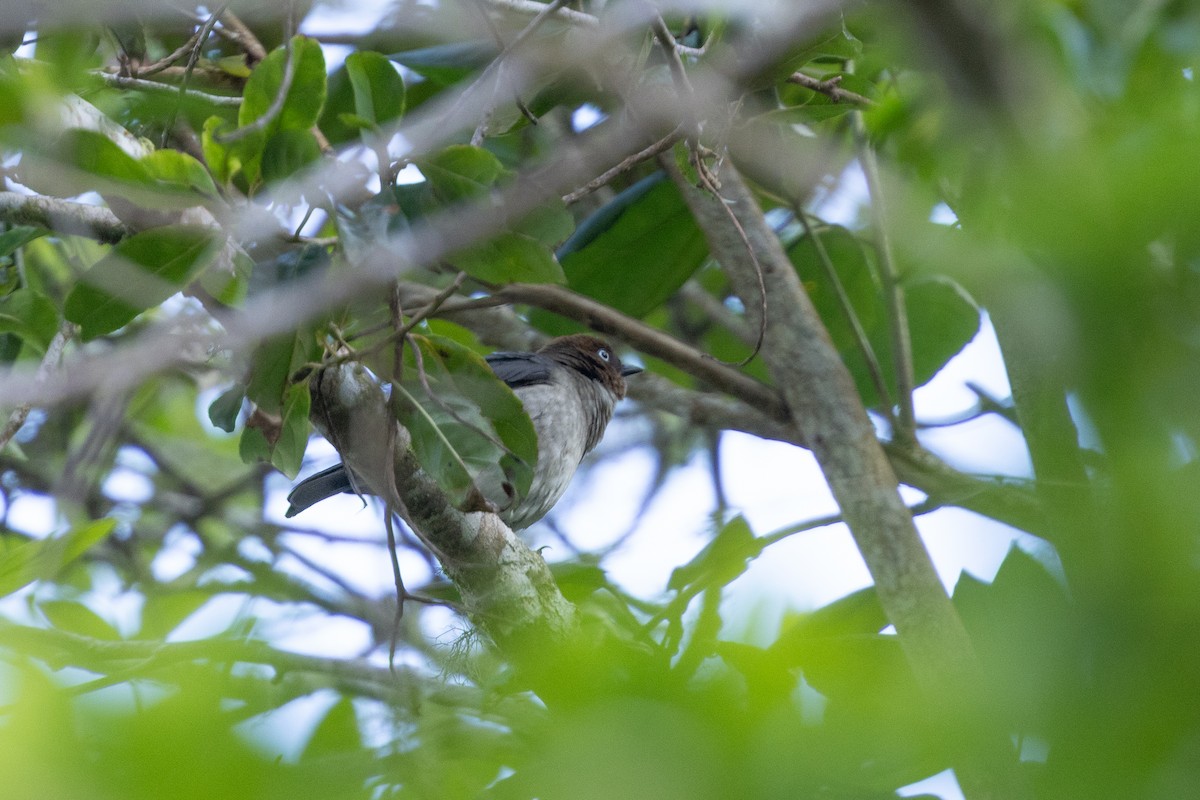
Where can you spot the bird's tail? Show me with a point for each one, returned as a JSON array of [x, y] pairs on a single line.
[[317, 487]]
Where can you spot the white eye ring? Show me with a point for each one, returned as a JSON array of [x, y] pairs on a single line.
[[604, 356]]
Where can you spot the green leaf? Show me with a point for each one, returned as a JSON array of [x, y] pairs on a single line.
[[337, 733], [551, 224], [30, 315], [229, 286], [288, 453], [223, 412], [942, 320], [44, 558], [461, 171], [636, 251], [163, 613], [476, 432], [224, 161], [17, 237], [140, 272], [857, 277], [302, 105], [509, 258], [163, 180], [73, 617], [180, 169], [721, 560], [445, 64], [95, 153], [287, 152], [377, 87], [69, 52], [253, 446], [1025, 632], [274, 362]]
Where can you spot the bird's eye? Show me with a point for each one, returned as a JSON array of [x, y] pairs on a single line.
[[604, 356]]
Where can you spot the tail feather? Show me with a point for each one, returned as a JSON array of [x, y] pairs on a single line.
[[318, 486]]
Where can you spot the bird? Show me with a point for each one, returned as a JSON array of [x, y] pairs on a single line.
[[569, 388]]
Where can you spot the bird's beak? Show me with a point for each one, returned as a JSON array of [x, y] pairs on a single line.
[[626, 371]]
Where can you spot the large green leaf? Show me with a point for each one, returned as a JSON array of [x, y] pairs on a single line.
[[302, 105], [1024, 631], [45, 557], [274, 362], [139, 273], [18, 236], [942, 318], [180, 169], [509, 258], [460, 172], [721, 560], [30, 315], [365, 93], [287, 152], [75, 617], [636, 251], [469, 429], [100, 165], [377, 87], [300, 110], [288, 453]]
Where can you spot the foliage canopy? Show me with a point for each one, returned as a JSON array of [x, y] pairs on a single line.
[[203, 213]]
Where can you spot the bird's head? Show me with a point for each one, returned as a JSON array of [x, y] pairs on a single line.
[[593, 358]]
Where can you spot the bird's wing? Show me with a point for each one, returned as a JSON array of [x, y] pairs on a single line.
[[520, 369], [317, 487]]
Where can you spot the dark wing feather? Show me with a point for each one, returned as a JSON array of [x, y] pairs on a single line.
[[520, 369], [317, 487]]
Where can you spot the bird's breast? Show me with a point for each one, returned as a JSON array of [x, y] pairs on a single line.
[[569, 414]]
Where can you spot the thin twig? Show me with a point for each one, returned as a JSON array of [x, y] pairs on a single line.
[[236, 30], [603, 178], [860, 335], [531, 7], [893, 291], [670, 167], [398, 334], [709, 181], [49, 361], [168, 60], [121, 82], [830, 88], [193, 59], [926, 506], [401, 591], [543, 14]]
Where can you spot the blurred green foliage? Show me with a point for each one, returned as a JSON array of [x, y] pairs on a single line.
[[1062, 138]]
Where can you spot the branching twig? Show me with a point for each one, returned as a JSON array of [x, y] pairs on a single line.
[[893, 292], [709, 181], [546, 9], [830, 88], [138, 84], [535, 8], [193, 59], [236, 30], [603, 178]]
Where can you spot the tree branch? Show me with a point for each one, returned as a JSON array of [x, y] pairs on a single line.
[[506, 588], [62, 216], [818, 388]]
